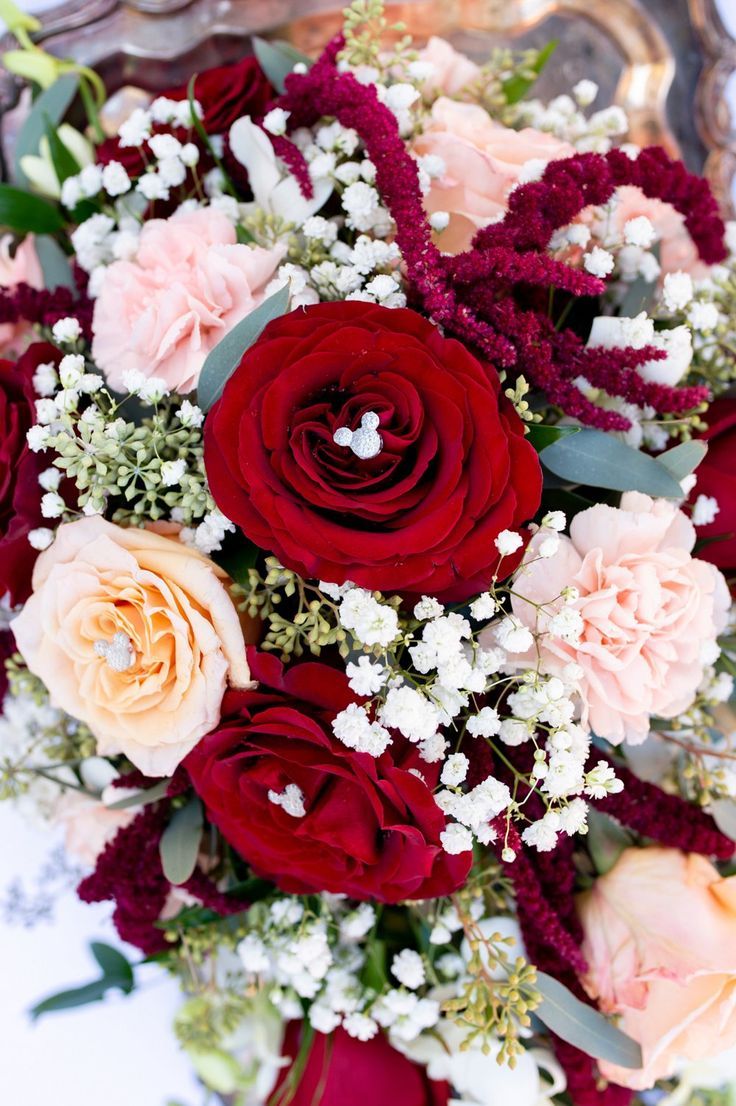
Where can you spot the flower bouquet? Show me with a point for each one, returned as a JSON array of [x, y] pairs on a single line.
[[367, 502]]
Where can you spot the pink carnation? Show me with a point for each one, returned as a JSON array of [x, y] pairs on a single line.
[[189, 284], [651, 612], [451, 70], [677, 251], [22, 267], [482, 162]]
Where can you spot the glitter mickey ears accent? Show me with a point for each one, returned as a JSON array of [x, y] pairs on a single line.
[[365, 442], [118, 653]]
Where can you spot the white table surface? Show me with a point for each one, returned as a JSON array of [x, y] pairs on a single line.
[[118, 1053]]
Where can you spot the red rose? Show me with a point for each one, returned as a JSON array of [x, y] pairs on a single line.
[[227, 92], [371, 828], [717, 478], [20, 494], [359, 1073], [421, 516]]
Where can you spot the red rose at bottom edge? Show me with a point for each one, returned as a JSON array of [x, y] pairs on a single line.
[[359, 1073], [371, 828]]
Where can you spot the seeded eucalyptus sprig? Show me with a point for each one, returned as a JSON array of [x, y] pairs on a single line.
[[497, 999]]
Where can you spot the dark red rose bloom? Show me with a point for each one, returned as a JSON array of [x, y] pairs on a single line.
[[20, 494], [717, 477], [227, 92], [361, 1073], [421, 516], [371, 828]]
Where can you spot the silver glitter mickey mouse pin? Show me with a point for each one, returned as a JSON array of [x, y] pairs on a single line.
[[365, 442]]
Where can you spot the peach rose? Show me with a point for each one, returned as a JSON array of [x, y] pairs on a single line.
[[483, 161], [135, 634], [651, 612], [660, 942], [677, 251], [188, 285], [451, 70], [22, 267]]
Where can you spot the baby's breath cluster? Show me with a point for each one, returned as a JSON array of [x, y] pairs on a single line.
[[133, 458]]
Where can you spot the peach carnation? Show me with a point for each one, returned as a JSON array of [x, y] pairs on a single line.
[[482, 162], [135, 634], [188, 285], [651, 612], [660, 942], [21, 267]]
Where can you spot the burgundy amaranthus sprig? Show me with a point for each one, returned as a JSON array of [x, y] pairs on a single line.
[[44, 307], [476, 294]]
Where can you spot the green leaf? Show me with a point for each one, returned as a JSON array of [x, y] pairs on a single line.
[[117, 974], [723, 812], [180, 842], [237, 557], [601, 460], [63, 160], [606, 840], [57, 272], [373, 973], [583, 1026], [50, 107], [112, 962], [222, 361], [517, 86], [277, 59], [22, 211], [142, 798], [541, 436], [77, 996], [684, 458]]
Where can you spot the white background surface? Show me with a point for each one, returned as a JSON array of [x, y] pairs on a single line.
[[121, 1052], [118, 1053]]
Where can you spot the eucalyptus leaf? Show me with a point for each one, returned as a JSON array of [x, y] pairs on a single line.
[[112, 962], [50, 107], [22, 211], [277, 60], [583, 1026], [117, 974], [76, 996], [606, 840], [684, 458], [601, 460], [180, 842], [541, 436], [142, 798], [57, 272], [723, 812], [222, 361]]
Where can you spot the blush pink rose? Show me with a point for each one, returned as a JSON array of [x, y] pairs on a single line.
[[677, 251], [660, 943], [451, 70], [482, 162], [189, 284], [184, 639], [651, 612], [21, 267], [89, 825]]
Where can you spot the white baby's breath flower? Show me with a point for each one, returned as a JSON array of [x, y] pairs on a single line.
[[507, 542]]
